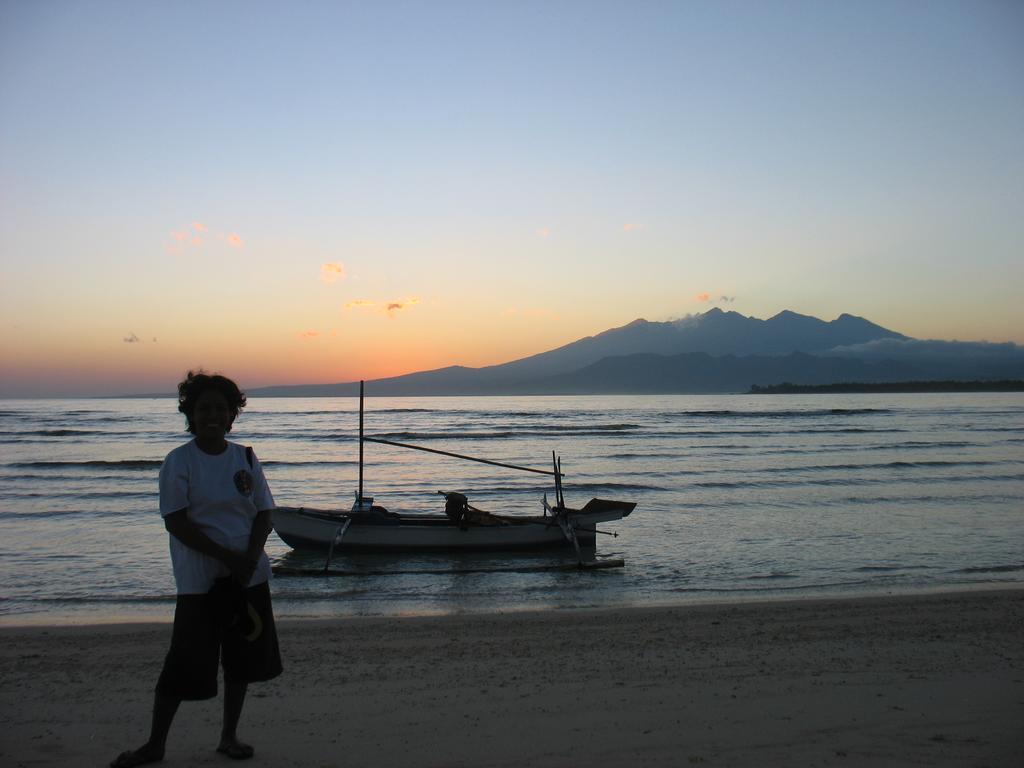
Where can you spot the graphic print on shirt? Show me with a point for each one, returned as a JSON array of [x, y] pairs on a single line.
[[243, 482]]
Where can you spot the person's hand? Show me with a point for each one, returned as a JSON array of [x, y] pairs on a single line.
[[242, 567]]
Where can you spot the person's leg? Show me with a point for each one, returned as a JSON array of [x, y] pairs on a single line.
[[234, 700], [189, 673], [249, 654], [164, 709]]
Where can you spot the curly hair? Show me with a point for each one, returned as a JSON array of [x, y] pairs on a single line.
[[195, 384]]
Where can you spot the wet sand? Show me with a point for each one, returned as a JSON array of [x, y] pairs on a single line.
[[902, 680]]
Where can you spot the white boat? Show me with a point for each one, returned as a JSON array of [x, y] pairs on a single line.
[[376, 529], [368, 527]]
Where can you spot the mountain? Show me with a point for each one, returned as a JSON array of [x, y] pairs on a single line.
[[699, 372], [714, 332], [714, 351]]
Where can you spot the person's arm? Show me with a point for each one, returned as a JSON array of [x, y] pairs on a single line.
[[261, 528], [189, 534], [264, 501]]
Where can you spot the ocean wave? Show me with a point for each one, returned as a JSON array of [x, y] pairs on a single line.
[[64, 417], [891, 568], [854, 480], [274, 415], [57, 513], [642, 456], [322, 462], [917, 444], [369, 412], [98, 463], [942, 499], [841, 431], [595, 487], [774, 432], [886, 465], [737, 590], [56, 432], [790, 414], [405, 410], [42, 476], [118, 494], [263, 416], [991, 569], [816, 450], [772, 576], [540, 414], [509, 434], [87, 599]]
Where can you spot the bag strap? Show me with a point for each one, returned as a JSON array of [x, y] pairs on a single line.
[[249, 455]]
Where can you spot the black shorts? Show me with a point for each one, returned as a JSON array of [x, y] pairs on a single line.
[[248, 650]]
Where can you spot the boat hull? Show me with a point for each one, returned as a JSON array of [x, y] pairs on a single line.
[[306, 528]]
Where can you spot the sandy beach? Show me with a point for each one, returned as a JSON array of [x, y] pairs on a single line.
[[911, 680]]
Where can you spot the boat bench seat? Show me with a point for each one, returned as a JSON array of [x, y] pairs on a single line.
[[375, 516], [476, 516]]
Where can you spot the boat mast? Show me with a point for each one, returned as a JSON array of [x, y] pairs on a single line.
[[359, 500]]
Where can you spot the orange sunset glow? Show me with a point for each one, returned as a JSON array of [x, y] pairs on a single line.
[[309, 210]]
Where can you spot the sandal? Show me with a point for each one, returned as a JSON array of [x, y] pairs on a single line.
[[134, 757], [237, 750]]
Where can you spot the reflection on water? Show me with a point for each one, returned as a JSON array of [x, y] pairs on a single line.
[[737, 496]]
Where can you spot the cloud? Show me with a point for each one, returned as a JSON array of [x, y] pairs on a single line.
[[936, 359], [631, 227], [932, 350], [193, 237], [401, 305], [705, 296], [332, 271], [197, 239], [389, 308], [686, 320], [131, 339], [544, 232], [308, 334]]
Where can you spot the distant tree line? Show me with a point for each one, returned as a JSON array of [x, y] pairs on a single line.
[[787, 388]]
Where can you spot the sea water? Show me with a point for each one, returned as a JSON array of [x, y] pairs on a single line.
[[738, 496]]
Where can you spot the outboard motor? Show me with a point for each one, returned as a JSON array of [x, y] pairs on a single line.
[[456, 506]]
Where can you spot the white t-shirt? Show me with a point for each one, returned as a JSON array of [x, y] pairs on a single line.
[[222, 495]]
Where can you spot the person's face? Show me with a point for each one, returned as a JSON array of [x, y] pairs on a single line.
[[211, 418]]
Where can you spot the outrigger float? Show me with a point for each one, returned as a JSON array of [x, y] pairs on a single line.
[[462, 527]]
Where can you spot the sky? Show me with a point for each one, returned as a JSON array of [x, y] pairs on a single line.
[[318, 192]]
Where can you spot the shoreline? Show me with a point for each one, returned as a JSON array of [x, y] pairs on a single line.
[[915, 387], [164, 616], [933, 679]]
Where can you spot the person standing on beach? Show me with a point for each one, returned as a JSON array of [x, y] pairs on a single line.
[[216, 505]]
